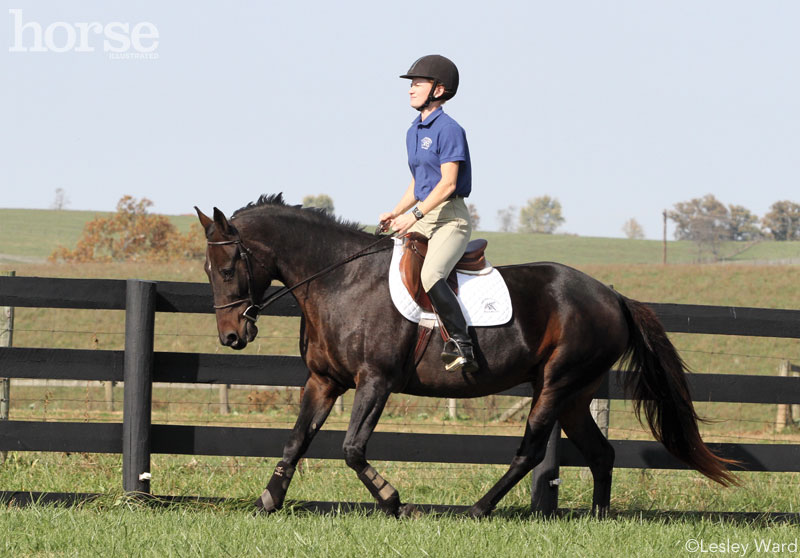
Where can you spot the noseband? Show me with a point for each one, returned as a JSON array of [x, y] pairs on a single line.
[[252, 311]]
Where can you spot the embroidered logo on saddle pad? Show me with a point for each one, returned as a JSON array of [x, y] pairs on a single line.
[[483, 295]]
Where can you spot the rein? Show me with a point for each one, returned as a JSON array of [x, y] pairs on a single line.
[[252, 311]]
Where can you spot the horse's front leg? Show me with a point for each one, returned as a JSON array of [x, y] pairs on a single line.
[[371, 396], [319, 395]]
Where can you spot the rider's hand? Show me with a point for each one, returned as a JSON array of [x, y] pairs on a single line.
[[404, 222], [384, 221]]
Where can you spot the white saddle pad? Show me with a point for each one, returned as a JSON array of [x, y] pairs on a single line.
[[483, 295]]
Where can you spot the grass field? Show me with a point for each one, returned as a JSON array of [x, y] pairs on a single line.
[[116, 525], [31, 235]]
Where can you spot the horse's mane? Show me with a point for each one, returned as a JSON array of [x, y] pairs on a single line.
[[266, 202]]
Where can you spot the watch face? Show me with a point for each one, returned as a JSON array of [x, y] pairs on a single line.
[[417, 213]]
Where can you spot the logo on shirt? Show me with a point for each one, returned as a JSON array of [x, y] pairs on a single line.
[[425, 142]]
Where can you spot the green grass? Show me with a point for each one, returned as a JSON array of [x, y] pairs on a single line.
[[122, 528], [27, 234], [115, 525], [33, 234]]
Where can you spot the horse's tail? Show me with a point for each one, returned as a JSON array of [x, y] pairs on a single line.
[[659, 386]]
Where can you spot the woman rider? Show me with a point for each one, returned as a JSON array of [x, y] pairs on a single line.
[[441, 177]]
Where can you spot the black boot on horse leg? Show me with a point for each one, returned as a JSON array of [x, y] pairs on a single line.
[[457, 354]]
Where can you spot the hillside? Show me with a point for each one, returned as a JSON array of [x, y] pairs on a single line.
[[30, 236]]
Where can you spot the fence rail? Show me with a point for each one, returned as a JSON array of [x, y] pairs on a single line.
[[136, 438]]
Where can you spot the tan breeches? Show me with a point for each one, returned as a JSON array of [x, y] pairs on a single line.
[[448, 229]]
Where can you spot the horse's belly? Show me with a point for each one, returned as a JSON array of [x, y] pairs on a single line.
[[434, 381]]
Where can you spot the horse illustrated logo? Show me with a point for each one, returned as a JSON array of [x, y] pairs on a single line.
[[426, 142], [489, 305]]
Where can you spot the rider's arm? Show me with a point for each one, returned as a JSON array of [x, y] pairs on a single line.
[[440, 193], [443, 190]]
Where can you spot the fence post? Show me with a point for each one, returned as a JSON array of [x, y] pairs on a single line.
[[784, 415], [140, 310], [545, 479], [600, 409], [794, 409], [224, 403], [6, 340], [452, 409]]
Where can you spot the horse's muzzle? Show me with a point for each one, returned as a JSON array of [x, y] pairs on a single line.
[[235, 341]]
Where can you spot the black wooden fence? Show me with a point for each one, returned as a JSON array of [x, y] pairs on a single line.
[[138, 366]]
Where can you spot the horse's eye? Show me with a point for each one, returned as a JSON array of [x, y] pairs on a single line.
[[227, 273]]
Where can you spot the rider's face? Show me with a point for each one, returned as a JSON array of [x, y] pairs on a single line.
[[419, 91]]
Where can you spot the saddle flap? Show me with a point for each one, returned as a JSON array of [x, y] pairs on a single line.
[[414, 252]]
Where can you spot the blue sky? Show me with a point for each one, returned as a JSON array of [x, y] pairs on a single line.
[[618, 109]]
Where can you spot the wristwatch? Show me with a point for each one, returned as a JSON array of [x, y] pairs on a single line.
[[417, 213]]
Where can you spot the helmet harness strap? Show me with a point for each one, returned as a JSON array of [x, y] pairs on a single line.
[[431, 98]]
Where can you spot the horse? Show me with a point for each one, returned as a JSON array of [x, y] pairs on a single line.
[[566, 332]]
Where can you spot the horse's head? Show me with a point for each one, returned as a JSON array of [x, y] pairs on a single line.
[[238, 279]]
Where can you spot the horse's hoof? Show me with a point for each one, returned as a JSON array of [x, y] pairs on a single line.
[[600, 512], [409, 510], [477, 512], [265, 504]]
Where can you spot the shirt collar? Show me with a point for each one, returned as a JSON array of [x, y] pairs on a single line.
[[431, 117]]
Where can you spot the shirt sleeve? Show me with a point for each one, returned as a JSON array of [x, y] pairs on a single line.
[[452, 144]]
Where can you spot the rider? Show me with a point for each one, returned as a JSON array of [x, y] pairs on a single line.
[[438, 156]]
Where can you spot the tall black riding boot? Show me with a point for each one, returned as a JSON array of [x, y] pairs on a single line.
[[457, 354]]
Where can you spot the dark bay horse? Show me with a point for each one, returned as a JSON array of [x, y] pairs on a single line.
[[566, 332]]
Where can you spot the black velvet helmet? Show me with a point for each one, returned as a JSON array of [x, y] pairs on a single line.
[[438, 68]]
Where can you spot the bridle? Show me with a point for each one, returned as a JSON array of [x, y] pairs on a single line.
[[253, 309]]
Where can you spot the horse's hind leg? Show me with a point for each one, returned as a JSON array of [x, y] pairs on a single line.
[[371, 396], [580, 427], [530, 453]]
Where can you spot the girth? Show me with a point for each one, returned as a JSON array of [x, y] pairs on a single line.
[[414, 252]]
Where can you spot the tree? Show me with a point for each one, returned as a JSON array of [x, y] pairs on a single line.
[[541, 215], [506, 218], [321, 201], [705, 221], [742, 224], [61, 200], [633, 229], [473, 216], [783, 220], [133, 234]]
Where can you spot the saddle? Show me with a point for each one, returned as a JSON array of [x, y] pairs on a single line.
[[416, 248]]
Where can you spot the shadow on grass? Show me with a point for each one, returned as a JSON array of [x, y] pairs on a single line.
[[516, 513]]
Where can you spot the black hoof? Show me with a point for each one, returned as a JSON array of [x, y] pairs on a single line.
[[265, 504], [409, 510], [478, 512]]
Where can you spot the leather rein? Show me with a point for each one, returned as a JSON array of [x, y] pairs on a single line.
[[252, 311]]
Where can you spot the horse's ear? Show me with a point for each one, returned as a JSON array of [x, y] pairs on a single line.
[[222, 222], [205, 220]]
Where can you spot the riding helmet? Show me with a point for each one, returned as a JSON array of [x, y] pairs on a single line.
[[440, 70]]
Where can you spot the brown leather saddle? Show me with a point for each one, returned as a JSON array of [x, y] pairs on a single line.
[[416, 248]]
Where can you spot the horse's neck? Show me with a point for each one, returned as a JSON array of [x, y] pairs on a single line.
[[300, 255]]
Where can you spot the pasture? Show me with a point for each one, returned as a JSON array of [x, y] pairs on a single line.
[[115, 524]]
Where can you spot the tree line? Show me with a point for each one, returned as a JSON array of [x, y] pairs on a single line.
[[132, 233]]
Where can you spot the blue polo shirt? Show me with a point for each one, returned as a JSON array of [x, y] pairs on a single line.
[[437, 140]]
